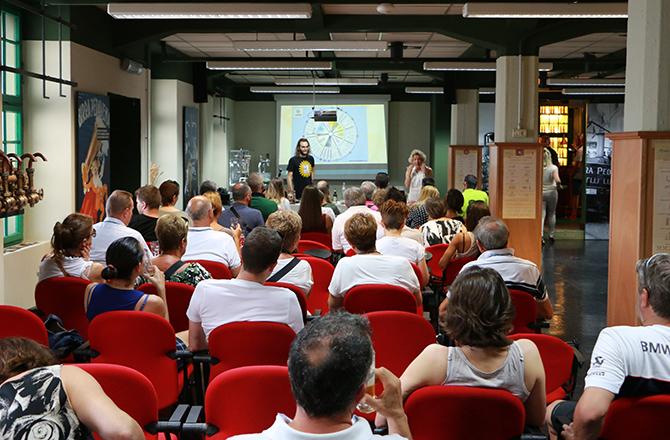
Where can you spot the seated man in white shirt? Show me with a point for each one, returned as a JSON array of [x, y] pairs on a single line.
[[368, 266], [245, 298], [119, 210], [626, 361], [204, 243], [354, 199], [290, 269], [328, 365]]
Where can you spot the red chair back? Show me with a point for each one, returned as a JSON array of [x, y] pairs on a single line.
[[136, 396], [454, 412], [454, 268], [302, 299], [64, 297], [558, 358], [322, 272], [178, 297], [18, 322], [436, 250], [641, 418], [350, 253], [240, 344], [525, 311], [305, 245], [368, 298], [141, 341], [246, 400], [417, 272], [218, 271], [319, 237]]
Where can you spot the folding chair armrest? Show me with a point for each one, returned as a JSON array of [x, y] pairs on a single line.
[[172, 425], [180, 354], [194, 425]]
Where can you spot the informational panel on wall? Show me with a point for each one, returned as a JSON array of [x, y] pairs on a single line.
[[465, 162], [352, 144], [519, 183], [661, 206]]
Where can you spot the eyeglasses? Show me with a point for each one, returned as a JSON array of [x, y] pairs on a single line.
[[647, 265]]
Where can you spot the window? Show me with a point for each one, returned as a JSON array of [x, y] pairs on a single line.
[[12, 114]]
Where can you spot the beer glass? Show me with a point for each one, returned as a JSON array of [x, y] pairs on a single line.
[[369, 388]]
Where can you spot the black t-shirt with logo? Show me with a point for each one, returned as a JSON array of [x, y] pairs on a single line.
[[301, 167]]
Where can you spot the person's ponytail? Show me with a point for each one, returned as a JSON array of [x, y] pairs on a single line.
[[109, 272]]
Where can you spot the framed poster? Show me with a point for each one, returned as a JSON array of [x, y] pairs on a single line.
[[519, 183], [661, 206], [191, 154], [92, 159]]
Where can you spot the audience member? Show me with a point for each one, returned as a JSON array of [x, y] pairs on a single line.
[[217, 208], [626, 361], [328, 366], [471, 193], [42, 400], [172, 234], [258, 200], [239, 213], [379, 196], [277, 194], [300, 169], [519, 274], [551, 181], [311, 213], [290, 269], [207, 186], [417, 212], [125, 262], [70, 248], [218, 302], [355, 203], [394, 215], [439, 229], [478, 319], [368, 188], [147, 202], [382, 180], [368, 266], [325, 209], [204, 243], [323, 186], [119, 209], [464, 244], [169, 196], [415, 173], [394, 193], [454, 205]]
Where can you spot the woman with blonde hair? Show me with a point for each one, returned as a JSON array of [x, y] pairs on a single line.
[[416, 171], [217, 208], [277, 194], [417, 213]]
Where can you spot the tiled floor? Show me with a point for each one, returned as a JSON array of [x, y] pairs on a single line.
[[576, 275]]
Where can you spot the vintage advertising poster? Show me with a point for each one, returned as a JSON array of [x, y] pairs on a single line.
[[191, 153], [660, 241], [92, 154], [519, 182]]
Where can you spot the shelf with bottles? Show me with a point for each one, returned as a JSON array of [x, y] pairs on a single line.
[[554, 119], [560, 145]]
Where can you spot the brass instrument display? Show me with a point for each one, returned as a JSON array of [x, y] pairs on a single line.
[[17, 183]]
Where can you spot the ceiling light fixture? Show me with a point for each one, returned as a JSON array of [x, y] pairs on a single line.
[[210, 10], [269, 65], [588, 82], [309, 90], [425, 90], [487, 91], [595, 91], [545, 10], [473, 66], [311, 45], [326, 81]]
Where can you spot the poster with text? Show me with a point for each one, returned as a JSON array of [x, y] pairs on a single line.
[[191, 153], [92, 164]]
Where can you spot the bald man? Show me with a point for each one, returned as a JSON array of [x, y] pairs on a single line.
[[203, 242]]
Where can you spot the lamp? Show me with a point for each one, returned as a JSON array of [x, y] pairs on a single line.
[[273, 89], [326, 81], [595, 91], [545, 10], [592, 82], [311, 45], [475, 66], [210, 10], [269, 65], [425, 90]]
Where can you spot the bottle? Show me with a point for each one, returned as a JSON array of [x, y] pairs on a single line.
[[334, 196]]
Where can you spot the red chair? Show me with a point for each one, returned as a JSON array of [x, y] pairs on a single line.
[[641, 418], [246, 400], [218, 271], [417, 272], [368, 298], [307, 245], [64, 297], [319, 237], [178, 297], [136, 397], [18, 322], [455, 412], [142, 341], [302, 299], [525, 314], [240, 344], [453, 269], [558, 359], [436, 250], [322, 272], [350, 253]]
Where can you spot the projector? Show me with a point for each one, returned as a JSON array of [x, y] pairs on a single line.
[[325, 115]]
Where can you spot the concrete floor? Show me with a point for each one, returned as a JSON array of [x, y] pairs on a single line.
[[575, 272]]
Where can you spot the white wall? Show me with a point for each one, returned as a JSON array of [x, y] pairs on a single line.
[[409, 128], [217, 137], [256, 130]]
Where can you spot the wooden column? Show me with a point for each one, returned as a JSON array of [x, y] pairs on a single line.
[[464, 160], [639, 215], [515, 193]]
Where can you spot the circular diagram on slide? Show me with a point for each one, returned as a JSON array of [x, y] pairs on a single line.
[[332, 141]]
